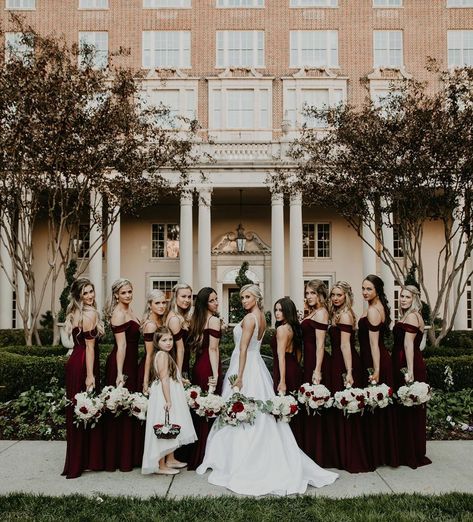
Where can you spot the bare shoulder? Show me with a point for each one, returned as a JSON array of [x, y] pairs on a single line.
[[174, 324], [150, 327], [283, 332], [215, 323], [374, 315], [249, 322], [89, 320], [414, 319], [321, 316], [346, 318], [118, 317]]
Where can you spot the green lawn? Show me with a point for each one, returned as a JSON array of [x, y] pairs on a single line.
[[396, 508]]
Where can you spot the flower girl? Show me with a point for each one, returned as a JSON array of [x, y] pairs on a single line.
[[166, 396]]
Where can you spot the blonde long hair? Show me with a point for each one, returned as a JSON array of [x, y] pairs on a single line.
[[416, 305], [185, 316], [154, 295], [320, 288], [347, 307], [76, 305], [112, 301]]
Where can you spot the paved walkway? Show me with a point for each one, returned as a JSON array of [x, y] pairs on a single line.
[[35, 467]]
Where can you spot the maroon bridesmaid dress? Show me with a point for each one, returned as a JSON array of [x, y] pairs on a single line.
[[84, 445], [120, 441], [411, 420], [349, 452], [200, 376], [319, 434], [380, 425], [293, 382]]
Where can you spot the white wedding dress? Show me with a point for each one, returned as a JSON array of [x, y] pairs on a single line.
[[264, 457]]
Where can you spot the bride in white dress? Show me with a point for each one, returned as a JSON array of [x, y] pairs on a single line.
[[264, 457]]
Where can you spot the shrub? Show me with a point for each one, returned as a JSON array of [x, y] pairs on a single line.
[[15, 337], [36, 351], [459, 339], [462, 372], [450, 414]]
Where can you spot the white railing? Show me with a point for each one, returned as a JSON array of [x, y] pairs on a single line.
[[246, 152]]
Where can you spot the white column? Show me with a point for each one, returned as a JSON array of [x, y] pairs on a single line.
[[204, 242], [277, 249], [186, 255], [369, 255], [296, 270], [95, 262], [114, 251], [6, 288], [386, 274], [460, 319]]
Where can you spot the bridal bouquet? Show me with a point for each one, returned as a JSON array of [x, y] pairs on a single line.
[[87, 409], [115, 399], [209, 405], [314, 396], [193, 394], [237, 410], [283, 407], [350, 400], [378, 396], [138, 405], [414, 394]]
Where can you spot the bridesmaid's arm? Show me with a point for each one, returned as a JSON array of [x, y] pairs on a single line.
[[321, 317], [89, 322], [409, 338], [149, 328], [282, 336], [214, 352], [175, 326], [248, 327], [345, 347], [374, 319], [118, 319]]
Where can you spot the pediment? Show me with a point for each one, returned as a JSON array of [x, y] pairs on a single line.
[[227, 244]]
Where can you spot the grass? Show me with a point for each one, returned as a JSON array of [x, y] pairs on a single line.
[[374, 508]]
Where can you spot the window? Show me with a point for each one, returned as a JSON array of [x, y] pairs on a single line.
[[240, 3], [301, 94], [241, 106], [166, 49], [314, 49], [316, 240], [17, 45], [98, 43], [459, 3], [398, 251], [314, 3], [14, 311], [153, 4], [469, 318], [387, 3], [460, 48], [240, 48], [83, 241], [397, 305], [387, 49], [20, 4], [93, 4], [165, 285], [165, 240]]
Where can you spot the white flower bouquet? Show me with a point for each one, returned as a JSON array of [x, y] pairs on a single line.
[[138, 405], [237, 410], [414, 394], [378, 396], [115, 399], [283, 407], [209, 405], [87, 409], [350, 400], [193, 393], [315, 397]]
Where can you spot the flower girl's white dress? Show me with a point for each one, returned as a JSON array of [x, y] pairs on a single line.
[[264, 457], [155, 448]]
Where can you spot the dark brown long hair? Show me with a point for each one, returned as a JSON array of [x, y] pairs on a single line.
[[199, 318], [172, 366], [289, 312], [378, 284]]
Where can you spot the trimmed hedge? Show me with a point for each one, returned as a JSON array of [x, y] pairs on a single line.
[[459, 339], [13, 337], [36, 351], [462, 371]]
